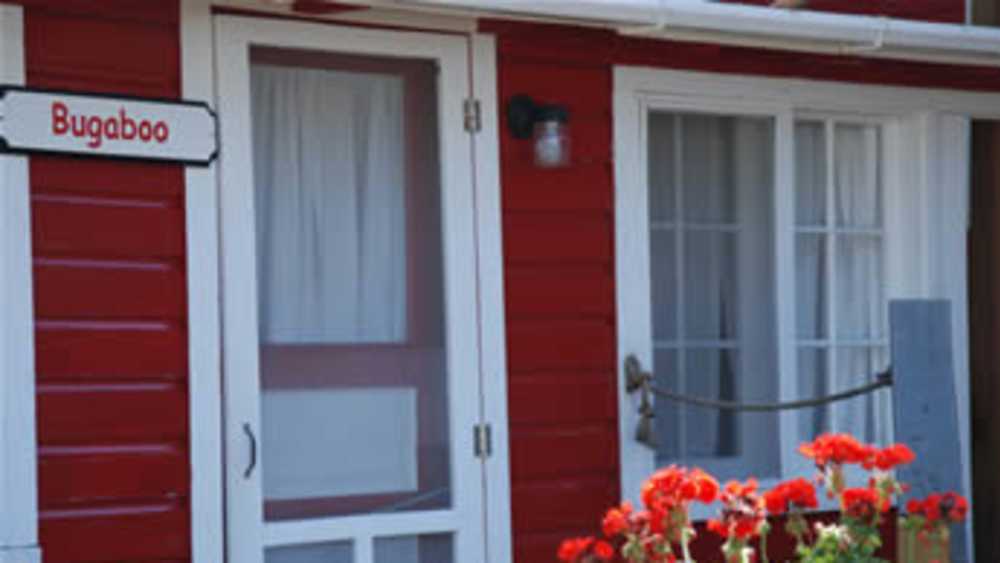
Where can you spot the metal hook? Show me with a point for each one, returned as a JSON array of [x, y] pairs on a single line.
[[638, 380], [635, 378]]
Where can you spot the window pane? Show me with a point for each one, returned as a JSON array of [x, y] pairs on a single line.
[[811, 286], [810, 173], [435, 548], [669, 448], [663, 268], [662, 166], [856, 176], [339, 552], [859, 302], [354, 380], [813, 381], [854, 367], [709, 191], [884, 427], [711, 374], [711, 282]]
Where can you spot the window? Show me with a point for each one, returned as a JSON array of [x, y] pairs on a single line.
[[711, 232], [715, 254], [844, 198]]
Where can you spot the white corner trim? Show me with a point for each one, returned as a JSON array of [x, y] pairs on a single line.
[[18, 449], [204, 344], [634, 325], [493, 344]]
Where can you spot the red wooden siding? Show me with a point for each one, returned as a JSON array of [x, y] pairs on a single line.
[[946, 11], [559, 263], [110, 301]]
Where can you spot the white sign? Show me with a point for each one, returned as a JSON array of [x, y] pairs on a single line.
[[106, 126]]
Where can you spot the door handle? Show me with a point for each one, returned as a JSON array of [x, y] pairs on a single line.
[[253, 450]]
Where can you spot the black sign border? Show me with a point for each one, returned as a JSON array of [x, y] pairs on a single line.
[[5, 147]]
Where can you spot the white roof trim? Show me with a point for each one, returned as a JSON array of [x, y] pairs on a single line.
[[804, 30]]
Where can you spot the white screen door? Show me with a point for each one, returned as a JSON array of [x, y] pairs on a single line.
[[351, 360]]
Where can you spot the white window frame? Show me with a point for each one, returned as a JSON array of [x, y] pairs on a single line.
[[926, 184], [18, 448]]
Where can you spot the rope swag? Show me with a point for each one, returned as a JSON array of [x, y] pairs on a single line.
[[642, 381]]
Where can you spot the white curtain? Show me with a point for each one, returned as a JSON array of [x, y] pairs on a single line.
[[330, 205]]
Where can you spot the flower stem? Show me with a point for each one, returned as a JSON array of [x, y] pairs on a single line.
[[763, 548], [685, 539]]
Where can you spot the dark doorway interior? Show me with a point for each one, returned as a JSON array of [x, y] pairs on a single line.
[[984, 318]]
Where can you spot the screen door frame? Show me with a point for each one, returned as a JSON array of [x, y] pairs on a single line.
[[473, 351]]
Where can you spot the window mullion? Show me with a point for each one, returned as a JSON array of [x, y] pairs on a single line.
[[785, 287], [831, 262], [681, 360]]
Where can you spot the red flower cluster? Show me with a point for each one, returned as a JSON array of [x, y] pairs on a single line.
[[576, 550], [838, 449], [888, 458], [670, 491], [863, 503], [677, 486], [844, 449], [798, 493], [616, 520], [666, 496], [945, 508], [742, 511]]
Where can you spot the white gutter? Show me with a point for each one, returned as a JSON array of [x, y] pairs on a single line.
[[805, 30]]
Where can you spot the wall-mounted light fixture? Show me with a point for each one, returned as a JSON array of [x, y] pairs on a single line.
[[545, 124]]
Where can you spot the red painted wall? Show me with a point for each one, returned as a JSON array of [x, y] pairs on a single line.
[[558, 236], [559, 266], [110, 302], [946, 11]]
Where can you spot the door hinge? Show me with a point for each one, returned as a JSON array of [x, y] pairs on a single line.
[[473, 115], [483, 440]]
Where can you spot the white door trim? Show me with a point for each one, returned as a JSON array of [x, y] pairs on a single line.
[[204, 338], [18, 448], [493, 323], [234, 35]]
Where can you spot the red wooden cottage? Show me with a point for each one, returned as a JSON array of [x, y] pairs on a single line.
[[365, 296]]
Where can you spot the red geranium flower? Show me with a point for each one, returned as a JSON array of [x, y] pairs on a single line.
[[863, 503], [888, 458], [603, 551], [573, 549], [742, 511], [616, 520], [798, 493], [947, 508], [838, 449], [668, 493]]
